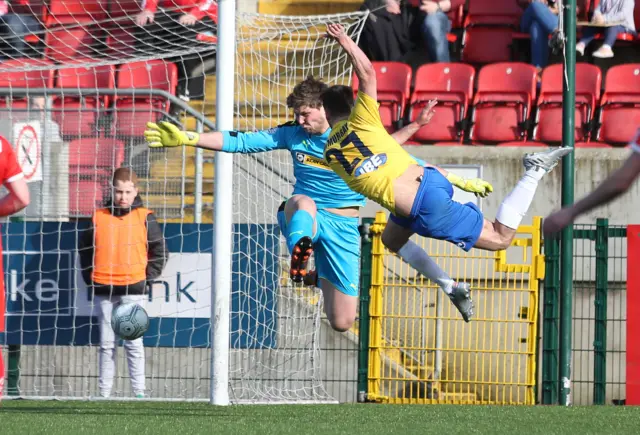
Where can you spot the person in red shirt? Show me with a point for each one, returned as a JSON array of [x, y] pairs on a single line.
[[15, 200], [172, 27]]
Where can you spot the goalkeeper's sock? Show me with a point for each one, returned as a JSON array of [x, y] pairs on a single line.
[[300, 225], [516, 204], [417, 258]]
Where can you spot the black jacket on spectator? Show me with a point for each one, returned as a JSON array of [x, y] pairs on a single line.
[[157, 254], [386, 37]]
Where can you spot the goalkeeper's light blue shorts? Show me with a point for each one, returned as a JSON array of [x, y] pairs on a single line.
[[436, 215], [336, 249]]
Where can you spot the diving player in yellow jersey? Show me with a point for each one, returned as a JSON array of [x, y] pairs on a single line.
[[371, 162]]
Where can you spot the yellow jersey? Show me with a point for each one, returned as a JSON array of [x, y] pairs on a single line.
[[365, 156]]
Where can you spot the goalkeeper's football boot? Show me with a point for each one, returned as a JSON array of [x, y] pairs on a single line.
[[299, 258], [545, 160], [461, 297], [311, 279]]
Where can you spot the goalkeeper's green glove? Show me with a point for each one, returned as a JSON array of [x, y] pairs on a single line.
[[165, 134], [480, 187]]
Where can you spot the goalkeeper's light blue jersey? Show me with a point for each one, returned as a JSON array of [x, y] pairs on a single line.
[[314, 177]]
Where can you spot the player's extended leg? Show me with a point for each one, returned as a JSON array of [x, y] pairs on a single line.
[[107, 355], [498, 235], [299, 228], [396, 238], [134, 350], [337, 258]]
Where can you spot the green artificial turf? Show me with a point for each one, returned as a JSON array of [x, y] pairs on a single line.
[[65, 418]]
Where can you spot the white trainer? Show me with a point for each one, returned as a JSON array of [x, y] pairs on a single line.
[[545, 160]]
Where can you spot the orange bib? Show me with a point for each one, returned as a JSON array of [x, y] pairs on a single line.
[[120, 247]]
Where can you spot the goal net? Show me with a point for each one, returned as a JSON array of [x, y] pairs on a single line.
[[75, 95]]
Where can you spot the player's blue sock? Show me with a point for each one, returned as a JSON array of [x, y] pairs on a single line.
[[300, 225]]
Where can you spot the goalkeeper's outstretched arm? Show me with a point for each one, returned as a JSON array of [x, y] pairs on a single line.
[[165, 134], [212, 140], [361, 64]]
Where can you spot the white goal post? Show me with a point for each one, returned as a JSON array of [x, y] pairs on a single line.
[[223, 212], [227, 325]]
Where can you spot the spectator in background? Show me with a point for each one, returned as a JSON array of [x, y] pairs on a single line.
[[50, 128], [12, 202], [540, 19], [174, 28], [435, 26], [608, 12], [385, 36], [17, 19], [122, 250]]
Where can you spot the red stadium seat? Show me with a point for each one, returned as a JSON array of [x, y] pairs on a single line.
[[124, 8], [62, 12], [121, 40], [488, 31], [24, 73], [448, 144], [91, 163], [85, 195], [77, 114], [502, 103], [132, 113], [548, 124], [121, 37], [66, 44], [585, 8], [452, 85], [620, 105], [93, 156], [393, 86]]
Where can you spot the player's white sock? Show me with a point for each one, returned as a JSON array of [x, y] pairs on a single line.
[[517, 203], [420, 261]]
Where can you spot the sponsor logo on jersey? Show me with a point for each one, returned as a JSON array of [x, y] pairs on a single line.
[[308, 160], [371, 164]]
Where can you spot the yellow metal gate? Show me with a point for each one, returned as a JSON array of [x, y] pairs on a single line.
[[421, 351]]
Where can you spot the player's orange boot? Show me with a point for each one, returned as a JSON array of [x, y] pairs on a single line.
[[300, 255]]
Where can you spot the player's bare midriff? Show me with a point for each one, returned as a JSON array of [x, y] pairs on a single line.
[[345, 211], [405, 189]]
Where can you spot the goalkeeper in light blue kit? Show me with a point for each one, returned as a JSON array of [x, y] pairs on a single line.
[[321, 217]]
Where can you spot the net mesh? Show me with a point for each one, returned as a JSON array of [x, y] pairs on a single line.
[[74, 100]]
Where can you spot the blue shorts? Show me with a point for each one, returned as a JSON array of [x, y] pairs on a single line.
[[336, 250], [434, 214]]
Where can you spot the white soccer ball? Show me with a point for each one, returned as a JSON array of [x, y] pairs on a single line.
[[129, 321]]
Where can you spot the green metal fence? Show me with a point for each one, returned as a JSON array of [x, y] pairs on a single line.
[[598, 316]]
